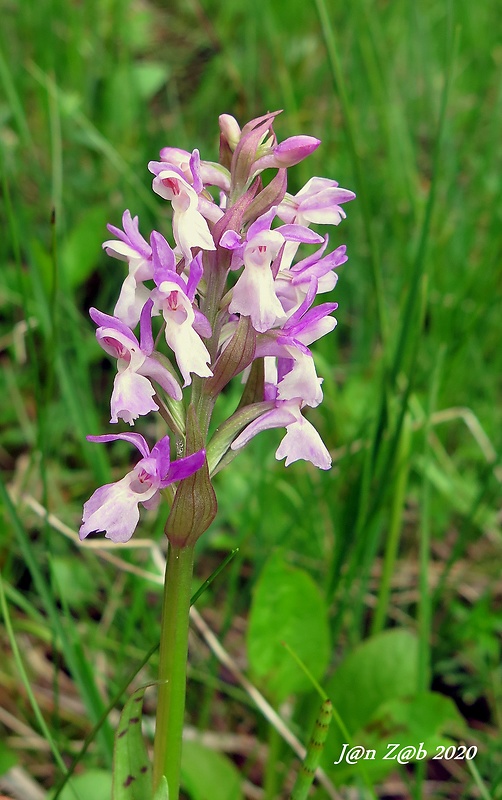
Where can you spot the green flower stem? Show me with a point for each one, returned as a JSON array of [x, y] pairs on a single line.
[[172, 669]]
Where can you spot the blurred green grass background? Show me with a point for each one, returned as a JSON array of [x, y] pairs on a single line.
[[405, 529]]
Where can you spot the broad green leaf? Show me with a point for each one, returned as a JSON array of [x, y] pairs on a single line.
[[287, 607], [132, 777], [380, 669], [72, 580], [95, 784], [206, 774], [149, 77]]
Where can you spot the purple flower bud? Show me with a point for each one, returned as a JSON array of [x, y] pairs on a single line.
[[295, 149], [287, 153]]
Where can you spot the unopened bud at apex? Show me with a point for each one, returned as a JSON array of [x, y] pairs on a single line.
[[293, 150]]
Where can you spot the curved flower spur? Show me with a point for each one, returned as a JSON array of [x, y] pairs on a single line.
[[228, 296]]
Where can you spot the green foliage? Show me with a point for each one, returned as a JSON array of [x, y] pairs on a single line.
[[203, 770], [82, 249], [377, 702], [72, 581], [379, 669], [95, 784], [287, 607]]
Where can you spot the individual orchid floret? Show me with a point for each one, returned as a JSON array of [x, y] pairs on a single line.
[[190, 229], [318, 202], [174, 299], [131, 247], [254, 293], [293, 280], [302, 441], [137, 366], [297, 373], [114, 508]]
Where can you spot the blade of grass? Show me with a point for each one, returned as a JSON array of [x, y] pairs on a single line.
[[395, 526], [15, 102], [412, 317], [483, 791], [363, 194], [27, 685], [375, 483], [425, 611], [301, 786], [78, 665], [96, 139], [424, 603]]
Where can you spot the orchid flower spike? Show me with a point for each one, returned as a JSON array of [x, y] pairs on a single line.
[[233, 297]]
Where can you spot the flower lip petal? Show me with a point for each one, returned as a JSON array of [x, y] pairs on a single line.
[[132, 396], [302, 441]]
